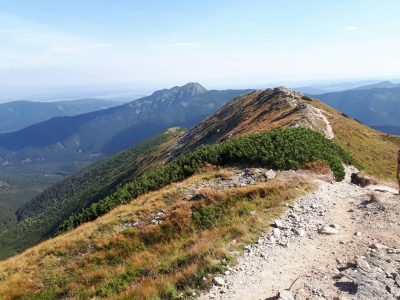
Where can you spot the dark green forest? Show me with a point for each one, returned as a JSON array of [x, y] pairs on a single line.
[[40, 217]]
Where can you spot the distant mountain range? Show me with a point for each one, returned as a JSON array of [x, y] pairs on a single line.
[[20, 114], [38, 156], [343, 86], [383, 84], [51, 146], [375, 107]]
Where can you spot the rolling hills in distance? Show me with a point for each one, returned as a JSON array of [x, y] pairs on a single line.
[[17, 115], [317, 89], [118, 255], [376, 107]]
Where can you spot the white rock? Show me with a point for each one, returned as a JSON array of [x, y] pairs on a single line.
[[219, 281], [299, 231], [328, 230], [278, 223], [270, 174], [336, 226], [277, 232], [285, 295], [379, 246]]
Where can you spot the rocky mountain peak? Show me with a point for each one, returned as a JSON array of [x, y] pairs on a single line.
[[193, 88]]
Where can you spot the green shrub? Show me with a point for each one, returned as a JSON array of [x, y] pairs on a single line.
[[276, 149], [344, 115], [307, 98]]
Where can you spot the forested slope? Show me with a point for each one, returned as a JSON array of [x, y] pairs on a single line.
[[41, 216]]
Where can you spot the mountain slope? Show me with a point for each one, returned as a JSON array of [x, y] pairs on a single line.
[[164, 242], [41, 216], [261, 111], [373, 107], [20, 114], [48, 151], [53, 144]]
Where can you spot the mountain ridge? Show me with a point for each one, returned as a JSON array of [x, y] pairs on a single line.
[[165, 242]]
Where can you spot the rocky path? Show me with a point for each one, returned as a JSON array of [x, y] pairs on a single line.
[[328, 131], [340, 242]]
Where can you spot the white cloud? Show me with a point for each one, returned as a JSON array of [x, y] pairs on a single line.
[[64, 49], [352, 28]]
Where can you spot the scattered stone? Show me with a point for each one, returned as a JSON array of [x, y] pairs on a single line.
[[198, 197], [358, 233], [299, 231], [270, 175], [336, 226], [278, 223], [219, 281], [277, 232], [285, 295], [328, 230], [379, 247], [393, 251], [363, 265]]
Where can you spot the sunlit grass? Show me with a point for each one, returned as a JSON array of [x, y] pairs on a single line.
[[161, 261]]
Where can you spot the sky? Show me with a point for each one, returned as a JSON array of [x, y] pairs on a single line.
[[228, 43]]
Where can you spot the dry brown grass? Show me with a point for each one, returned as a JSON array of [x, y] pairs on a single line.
[[170, 258], [375, 150]]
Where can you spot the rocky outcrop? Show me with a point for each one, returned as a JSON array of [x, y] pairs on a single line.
[[375, 275]]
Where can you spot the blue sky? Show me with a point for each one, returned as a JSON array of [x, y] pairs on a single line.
[[217, 43]]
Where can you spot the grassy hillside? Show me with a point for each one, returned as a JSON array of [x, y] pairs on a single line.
[[375, 150], [51, 150], [261, 111], [128, 255], [279, 149], [40, 217], [157, 241]]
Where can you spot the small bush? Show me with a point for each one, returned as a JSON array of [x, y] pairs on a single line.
[[306, 98], [344, 115]]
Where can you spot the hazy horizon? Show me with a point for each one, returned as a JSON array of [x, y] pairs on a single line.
[[224, 44]]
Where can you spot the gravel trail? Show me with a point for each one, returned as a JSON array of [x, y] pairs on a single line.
[[312, 249]]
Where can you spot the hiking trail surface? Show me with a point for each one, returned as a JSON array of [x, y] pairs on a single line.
[[339, 242]]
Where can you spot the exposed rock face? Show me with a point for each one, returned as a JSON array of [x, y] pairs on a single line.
[[375, 276]]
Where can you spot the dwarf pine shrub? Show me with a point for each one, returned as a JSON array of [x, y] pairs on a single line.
[[277, 149]]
